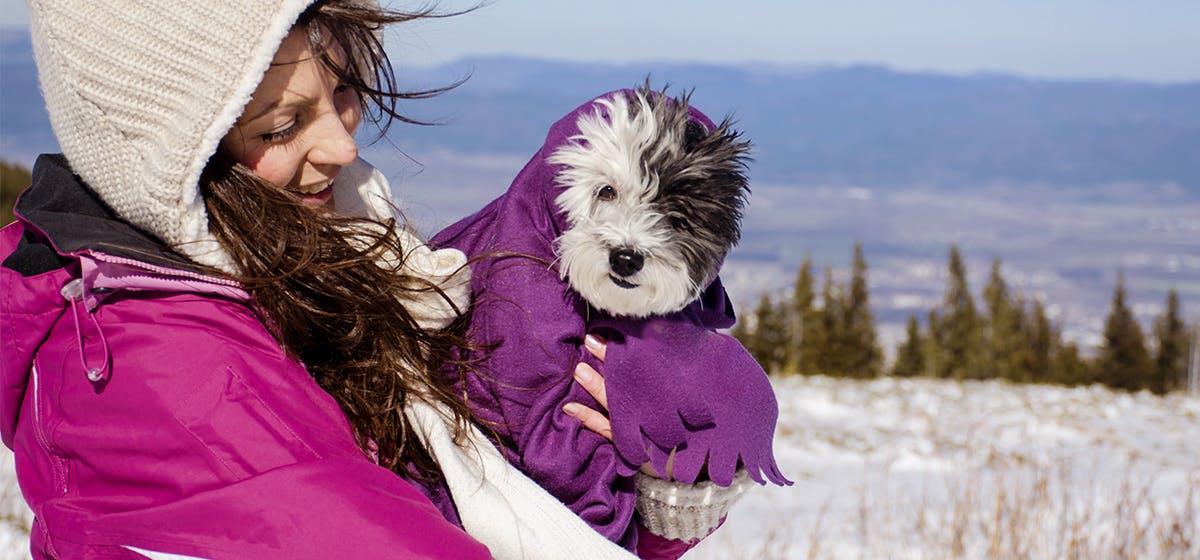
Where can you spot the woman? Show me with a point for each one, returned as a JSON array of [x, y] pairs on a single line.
[[218, 344]]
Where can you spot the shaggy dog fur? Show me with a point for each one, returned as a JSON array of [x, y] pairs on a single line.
[[654, 203]]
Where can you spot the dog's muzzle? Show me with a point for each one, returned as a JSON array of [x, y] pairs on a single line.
[[624, 262]]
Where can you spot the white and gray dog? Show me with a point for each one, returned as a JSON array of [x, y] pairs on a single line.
[[637, 197], [654, 201]]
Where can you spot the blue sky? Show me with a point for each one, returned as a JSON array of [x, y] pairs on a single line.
[[1126, 39]]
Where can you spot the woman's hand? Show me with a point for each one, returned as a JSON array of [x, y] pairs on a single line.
[[592, 382], [588, 378]]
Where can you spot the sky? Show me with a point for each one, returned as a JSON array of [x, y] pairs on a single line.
[[1105, 39]]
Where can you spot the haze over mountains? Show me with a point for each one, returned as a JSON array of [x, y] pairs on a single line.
[[1066, 181], [852, 125]]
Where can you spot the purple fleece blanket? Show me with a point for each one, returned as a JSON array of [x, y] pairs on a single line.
[[673, 382]]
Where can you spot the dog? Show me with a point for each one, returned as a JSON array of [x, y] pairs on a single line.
[[654, 202], [617, 226]]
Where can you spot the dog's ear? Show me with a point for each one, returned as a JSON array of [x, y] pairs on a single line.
[[693, 133]]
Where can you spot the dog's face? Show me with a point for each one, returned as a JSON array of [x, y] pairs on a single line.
[[653, 201]]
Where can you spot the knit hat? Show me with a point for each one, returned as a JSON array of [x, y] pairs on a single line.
[[140, 93]]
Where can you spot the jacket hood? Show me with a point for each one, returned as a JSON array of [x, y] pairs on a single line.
[[139, 101], [537, 184], [72, 219]]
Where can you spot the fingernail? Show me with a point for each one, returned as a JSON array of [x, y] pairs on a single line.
[[583, 373], [572, 409], [592, 341]]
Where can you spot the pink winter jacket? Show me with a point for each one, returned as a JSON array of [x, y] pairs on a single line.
[[150, 411], [194, 434]]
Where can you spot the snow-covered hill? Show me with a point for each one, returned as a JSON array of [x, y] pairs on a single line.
[[932, 469]]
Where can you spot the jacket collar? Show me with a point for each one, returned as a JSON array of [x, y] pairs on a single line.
[[60, 207]]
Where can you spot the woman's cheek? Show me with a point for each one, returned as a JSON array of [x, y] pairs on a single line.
[[277, 166]]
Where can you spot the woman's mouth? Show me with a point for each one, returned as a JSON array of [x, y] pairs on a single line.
[[317, 195]]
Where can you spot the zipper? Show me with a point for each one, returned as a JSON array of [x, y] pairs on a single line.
[[113, 259], [163, 270], [56, 462]]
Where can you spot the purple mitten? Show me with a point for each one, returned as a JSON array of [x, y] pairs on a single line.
[[676, 384]]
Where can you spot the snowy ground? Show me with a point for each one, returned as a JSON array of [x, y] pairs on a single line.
[[930, 469]]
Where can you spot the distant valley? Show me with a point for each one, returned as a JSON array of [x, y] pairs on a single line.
[[1066, 182]]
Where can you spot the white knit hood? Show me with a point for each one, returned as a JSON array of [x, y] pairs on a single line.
[[140, 93]]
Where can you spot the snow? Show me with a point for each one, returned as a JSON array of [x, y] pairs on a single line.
[[920, 468]]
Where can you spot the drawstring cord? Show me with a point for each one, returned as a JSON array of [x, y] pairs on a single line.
[[73, 293]]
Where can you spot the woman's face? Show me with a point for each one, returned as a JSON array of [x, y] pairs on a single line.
[[298, 129]]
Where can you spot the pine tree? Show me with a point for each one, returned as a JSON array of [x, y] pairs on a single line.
[[1068, 367], [910, 357], [803, 323], [768, 344], [958, 329], [829, 321], [860, 355], [1171, 357], [1004, 350], [742, 333], [1040, 340], [1123, 361], [930, 349]]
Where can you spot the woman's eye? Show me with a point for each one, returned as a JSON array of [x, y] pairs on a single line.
[[606, 193], [282, 134]]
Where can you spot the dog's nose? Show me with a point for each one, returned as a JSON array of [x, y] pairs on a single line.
[[625, 262]]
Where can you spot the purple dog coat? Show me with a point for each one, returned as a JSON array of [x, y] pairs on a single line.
[[673, 382]]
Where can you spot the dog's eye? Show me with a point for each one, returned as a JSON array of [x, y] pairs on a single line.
[[606, 193], [676, 223]]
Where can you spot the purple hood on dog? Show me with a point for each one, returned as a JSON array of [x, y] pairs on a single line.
[[673, 382]]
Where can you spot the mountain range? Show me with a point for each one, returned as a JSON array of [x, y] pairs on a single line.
[[849, 126]]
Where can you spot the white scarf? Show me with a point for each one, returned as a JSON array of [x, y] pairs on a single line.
[[500, 506]]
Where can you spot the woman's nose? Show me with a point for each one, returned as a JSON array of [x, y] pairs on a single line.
[[334, 144]]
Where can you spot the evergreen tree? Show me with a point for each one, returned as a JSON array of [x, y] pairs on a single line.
[[910, 357], [958, 330], [1068, 367], [930, 349], [768, 344], [860, 355], [742, 333], [1123, 361], [13, 179], [804, 324], [1040, 341], [1171, 357], [1004, 350], [829, 320]]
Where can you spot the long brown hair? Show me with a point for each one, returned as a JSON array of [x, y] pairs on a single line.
[[330, 297]]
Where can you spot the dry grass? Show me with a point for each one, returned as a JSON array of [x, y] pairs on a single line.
[[1005, 507], [1004, 510]]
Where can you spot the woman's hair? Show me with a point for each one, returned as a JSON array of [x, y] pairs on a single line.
[[330, 294]]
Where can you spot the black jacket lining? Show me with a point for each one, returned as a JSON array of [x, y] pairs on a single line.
[[74, 219]]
